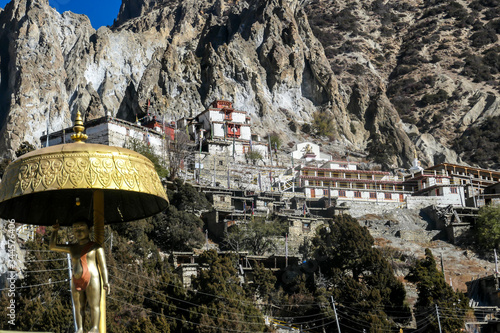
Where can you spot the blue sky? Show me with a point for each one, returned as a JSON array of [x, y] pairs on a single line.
[[100, 12]]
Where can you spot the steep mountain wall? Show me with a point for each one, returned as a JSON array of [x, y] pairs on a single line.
[[436, 62], [180, 55], [389, 74]]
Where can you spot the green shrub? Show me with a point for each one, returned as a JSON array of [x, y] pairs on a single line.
[[405, 87], [492, 59], [275, 140], [487, 230], [401, 70], [145, 150], [346, 21], [483, 37], [430, 99], [481, 144], [456, 10], [492, 13], [357, 69], [323, 123], [475, 68], [403, 105], [253, 156]]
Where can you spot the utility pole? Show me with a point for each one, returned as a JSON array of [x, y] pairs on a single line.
[[439, 322], [47, 144], [111, 243], [270, 149], [442, 266], [214, 172], [336, 318], [286, 250], [68, 256], [199, 160]]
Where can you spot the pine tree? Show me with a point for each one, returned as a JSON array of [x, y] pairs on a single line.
[[223, 303], [433, 290], [360, 279], [42, 303]]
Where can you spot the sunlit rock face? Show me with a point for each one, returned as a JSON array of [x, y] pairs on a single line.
[[262, 55]]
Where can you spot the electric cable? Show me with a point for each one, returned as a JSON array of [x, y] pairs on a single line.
[[173, 298], [35, 285], [175, 318], [191, 311]]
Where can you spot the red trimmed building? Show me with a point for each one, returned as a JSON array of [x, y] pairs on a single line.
[[342, 179], [222, 126], [438, 186]]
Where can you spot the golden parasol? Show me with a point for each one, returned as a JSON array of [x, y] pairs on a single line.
[[68, 182], [59, 183]]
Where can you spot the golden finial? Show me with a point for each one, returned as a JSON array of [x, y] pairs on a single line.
[[78, 136]]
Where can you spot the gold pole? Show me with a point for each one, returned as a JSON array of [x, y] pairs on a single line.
[[99, 238]]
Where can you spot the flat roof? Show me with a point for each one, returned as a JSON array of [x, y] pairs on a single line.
[[446, 165]]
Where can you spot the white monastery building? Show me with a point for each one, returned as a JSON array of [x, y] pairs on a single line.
[[224, 130]]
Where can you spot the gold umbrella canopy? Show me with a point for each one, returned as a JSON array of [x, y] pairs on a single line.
[[59, 182]]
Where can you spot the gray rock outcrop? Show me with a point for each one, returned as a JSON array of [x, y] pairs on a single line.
[[261, 54]]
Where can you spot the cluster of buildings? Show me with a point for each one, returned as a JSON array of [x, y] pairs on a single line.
[[225, 134], [309, 186]]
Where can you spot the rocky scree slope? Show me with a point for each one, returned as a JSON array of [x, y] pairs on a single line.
[[436, 61]]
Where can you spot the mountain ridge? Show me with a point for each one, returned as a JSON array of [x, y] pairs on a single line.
[[281, 61]]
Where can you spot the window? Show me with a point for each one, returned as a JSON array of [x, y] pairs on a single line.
[[221, 162], [439, 180], [373, 195], [454, 190], [325, 192], [388, 196], [342, 193], [306, 226], [222, 199], [357, 194]]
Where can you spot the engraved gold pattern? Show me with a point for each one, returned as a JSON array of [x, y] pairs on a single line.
[[85, 166]]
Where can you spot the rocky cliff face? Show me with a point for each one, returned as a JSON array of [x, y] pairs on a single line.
[[281, 61], [436, 62]]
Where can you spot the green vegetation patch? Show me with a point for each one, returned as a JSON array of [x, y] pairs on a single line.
[[481, 144]]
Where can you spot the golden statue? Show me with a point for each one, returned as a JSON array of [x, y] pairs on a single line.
[[89, 269], [64, 180]]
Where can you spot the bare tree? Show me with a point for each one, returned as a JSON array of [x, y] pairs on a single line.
[[180, 152]]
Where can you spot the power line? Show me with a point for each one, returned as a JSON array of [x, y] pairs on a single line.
[[177, 319], [197, 305], [325, 304], [46, 270], [191, 311], [44, 260], [170, 297], [34, 285], [29, 250]]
